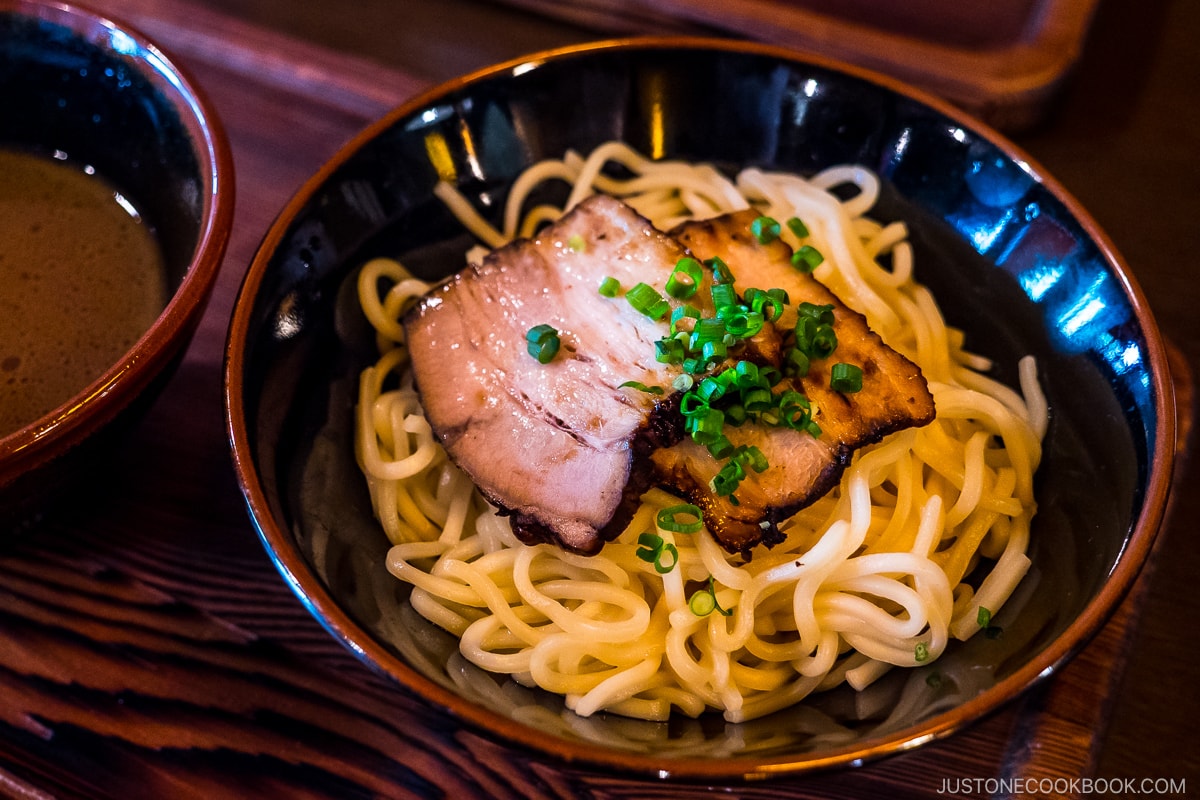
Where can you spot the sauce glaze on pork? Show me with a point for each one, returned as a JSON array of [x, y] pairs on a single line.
[[564, 448], [802, 468]]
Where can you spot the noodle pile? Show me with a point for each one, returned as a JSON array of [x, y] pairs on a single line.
[[871, 576]]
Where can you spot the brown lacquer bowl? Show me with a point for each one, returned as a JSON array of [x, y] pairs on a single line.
[[86, 89], [1012, 257]]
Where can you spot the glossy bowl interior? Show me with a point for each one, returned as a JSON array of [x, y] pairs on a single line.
[[1013, 259], [104, 95]]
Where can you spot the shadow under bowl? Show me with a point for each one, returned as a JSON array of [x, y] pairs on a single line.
[[1013, 259], [83, 87]]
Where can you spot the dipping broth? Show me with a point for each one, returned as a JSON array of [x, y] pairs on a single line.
[[81, 279]]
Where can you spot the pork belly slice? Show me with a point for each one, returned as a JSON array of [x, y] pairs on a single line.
[[559, 446], [801, 468]]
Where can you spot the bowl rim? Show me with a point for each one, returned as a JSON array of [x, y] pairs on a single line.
[[302, 579], [26, 449]]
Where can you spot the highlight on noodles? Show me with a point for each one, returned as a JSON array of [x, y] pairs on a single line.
[[921, 541]]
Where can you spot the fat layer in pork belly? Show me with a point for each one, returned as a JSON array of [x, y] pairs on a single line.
[[562, 447], [801, 468]]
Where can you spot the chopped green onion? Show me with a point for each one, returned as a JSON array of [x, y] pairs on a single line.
[[933, 680], [651, 551], [797, 226], [763, 302], [646, 299], [807, 258], [735, 415], [577, 243], [848, 379], [708, 330], [539, 333], [721, 448], [669, 351], [744, 324], [704, 601], [796, 363], [676, 518], [683, 383], [984, 618], [757, 400], [609, 287], [726, 481], [765, 229], [682, 313], [714, 352], [691, 405], [685, 278], [720, 270], [723, 295], [823, 342], [822, 314], [710, 389], [706, 427], [641, 387], [542, 342], [921, 652], [746, 375], [755, 457]]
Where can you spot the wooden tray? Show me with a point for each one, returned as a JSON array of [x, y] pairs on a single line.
[[149, 648], [1003, 61]]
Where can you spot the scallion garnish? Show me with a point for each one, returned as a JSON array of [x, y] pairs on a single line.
[[610, 287], [720, 270], [651, 551], [797, 226], [807, 258], [577, 243], [641, 387], [542, 342], [796, 363], [847, 379], [984, 619], [646, 299], [704, 601], [921, 652], [765, 229], [682, 314], [823, 314], [723, 296], [683, 518], [685, 278]]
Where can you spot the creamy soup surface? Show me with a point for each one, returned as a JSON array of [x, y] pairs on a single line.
[[81, 279]]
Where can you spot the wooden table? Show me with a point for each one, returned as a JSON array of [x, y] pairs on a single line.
[[148, 647]]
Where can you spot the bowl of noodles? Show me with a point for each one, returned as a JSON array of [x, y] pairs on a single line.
[[936, 567]]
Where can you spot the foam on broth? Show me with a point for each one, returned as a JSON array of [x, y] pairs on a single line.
[[81, 279]]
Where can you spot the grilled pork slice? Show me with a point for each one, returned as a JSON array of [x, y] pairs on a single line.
[[560, 446], [801, 468]]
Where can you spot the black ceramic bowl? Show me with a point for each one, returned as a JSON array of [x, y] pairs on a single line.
[[101, 94], [1012, 257]]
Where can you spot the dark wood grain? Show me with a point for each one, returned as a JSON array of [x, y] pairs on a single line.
[[148, 647]]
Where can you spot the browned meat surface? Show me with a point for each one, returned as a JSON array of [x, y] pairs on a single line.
[[565, 449], [560, 446], [894, 396]]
